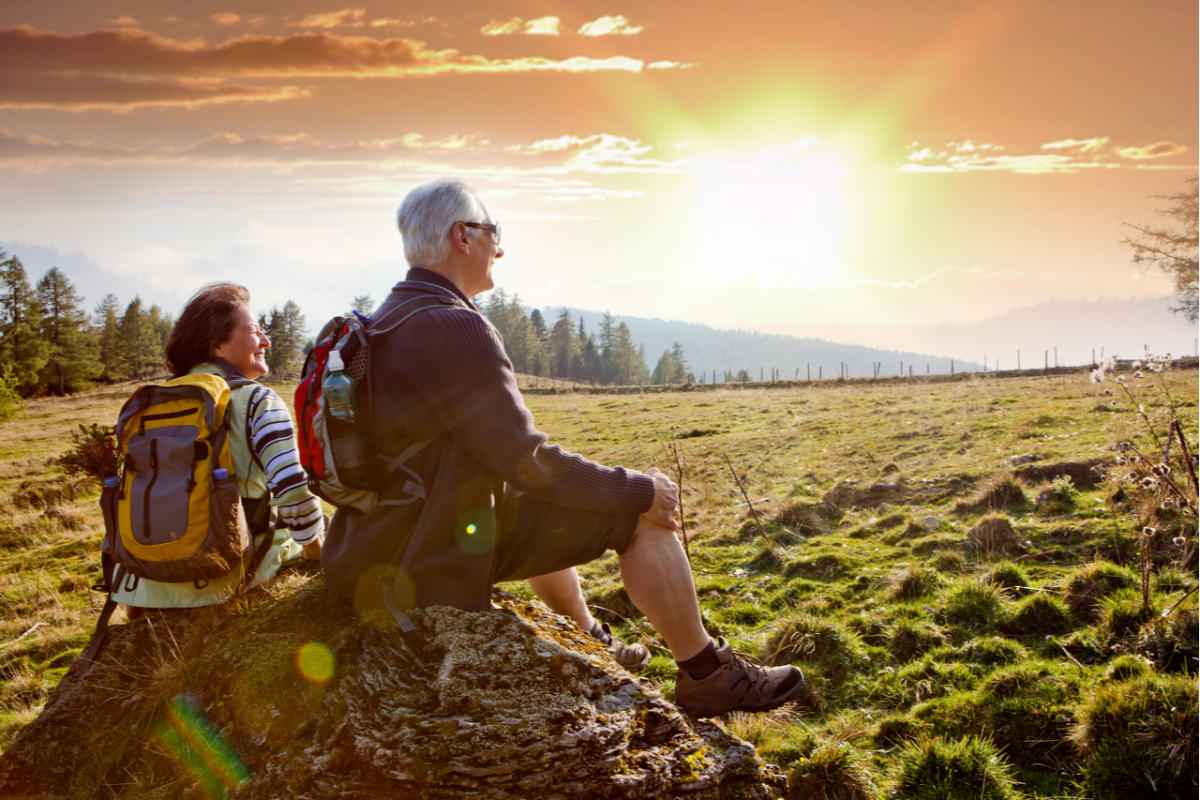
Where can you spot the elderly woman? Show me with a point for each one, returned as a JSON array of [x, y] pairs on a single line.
[[217, 334]]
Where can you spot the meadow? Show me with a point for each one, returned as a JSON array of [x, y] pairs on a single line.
[[955, 565]]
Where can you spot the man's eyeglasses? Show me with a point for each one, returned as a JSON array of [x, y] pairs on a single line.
[[487, 227]]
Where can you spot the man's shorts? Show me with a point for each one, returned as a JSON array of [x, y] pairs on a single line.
[[537, 538]]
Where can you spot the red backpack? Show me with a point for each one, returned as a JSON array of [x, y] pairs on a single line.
[[351, 336]]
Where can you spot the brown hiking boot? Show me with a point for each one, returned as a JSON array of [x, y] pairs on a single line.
[[633, 657], [738, 684]]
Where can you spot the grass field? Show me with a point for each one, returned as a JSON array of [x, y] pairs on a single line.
[[945, 560]]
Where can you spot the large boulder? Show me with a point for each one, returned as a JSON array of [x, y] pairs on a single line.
[[289, 694]]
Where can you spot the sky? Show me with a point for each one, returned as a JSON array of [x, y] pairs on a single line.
[[853, 167]]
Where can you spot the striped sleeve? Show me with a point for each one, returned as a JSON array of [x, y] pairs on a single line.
[[273, 439]]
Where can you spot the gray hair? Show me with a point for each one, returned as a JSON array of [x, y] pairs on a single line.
[[427, 214]]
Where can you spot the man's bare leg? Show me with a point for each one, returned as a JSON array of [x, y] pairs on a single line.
[[562, 593], [658, 578]]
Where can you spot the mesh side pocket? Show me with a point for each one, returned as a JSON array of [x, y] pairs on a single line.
[[357, 368]]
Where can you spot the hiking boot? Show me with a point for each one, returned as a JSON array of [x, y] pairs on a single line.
[[633, 657], [738, 684]]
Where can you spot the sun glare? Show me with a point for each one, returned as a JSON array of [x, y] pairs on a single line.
[[781, 219]]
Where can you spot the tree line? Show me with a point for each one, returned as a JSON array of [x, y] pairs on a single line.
[[51, 345], [568, 351]]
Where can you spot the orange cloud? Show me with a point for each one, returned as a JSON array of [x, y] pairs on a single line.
[[99, 92], [135, 52], [226, 18], [346, 18], [1066, 156], [542, 26], [610, 26], [1156, 150]]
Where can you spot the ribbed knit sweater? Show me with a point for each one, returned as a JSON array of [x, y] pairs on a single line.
[[444, 375]]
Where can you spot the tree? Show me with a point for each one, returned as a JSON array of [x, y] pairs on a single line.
[[105, 327], [1172, 249], [364, 304], [562, 345], [140, 344], [286, 328], [73, 351], [21, 342]]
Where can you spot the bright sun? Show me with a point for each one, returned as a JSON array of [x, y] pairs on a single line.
[[781, 219]]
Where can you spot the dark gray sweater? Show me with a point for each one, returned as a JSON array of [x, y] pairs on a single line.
[[444, 375]]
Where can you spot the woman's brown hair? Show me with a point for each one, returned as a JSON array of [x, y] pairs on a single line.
[[206, 321]]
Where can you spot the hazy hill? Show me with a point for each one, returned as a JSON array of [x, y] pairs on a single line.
[[708, 349], [1075, 327]]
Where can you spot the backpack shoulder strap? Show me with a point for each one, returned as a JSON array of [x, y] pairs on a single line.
[[400, 314]]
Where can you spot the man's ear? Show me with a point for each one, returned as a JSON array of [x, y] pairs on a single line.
[[459, 239]]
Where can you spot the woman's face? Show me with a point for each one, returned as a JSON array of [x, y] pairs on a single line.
[[246, 347]]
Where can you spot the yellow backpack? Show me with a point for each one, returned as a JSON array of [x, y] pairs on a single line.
[[173, 512]]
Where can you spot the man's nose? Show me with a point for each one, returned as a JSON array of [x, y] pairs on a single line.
[[499, 251]]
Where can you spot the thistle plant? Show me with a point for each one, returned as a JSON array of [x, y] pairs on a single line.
[[1156, 479]]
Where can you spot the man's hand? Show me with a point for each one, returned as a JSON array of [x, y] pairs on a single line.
[[666, 500]]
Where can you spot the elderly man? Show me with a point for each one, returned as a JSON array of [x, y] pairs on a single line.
[[493, 501]]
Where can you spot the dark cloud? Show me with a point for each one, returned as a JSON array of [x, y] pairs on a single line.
[[84, 92], [136, 52]]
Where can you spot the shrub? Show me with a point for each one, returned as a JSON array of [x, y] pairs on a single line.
[[1092, 581], [973, 605], [94, 454], [833, 772], [829, 645], [967, 769], [1058, 497], [992, 534], [11, 403], [1138, 738], [1039, 615]]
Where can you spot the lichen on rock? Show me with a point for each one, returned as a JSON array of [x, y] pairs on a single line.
[[511, 703]]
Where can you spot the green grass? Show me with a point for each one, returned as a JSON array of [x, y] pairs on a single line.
[[941, 614]]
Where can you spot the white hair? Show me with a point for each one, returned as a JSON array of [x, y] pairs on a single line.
[[427, 214]]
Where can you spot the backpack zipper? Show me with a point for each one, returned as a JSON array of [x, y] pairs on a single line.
[[149, 489], [170, 415]]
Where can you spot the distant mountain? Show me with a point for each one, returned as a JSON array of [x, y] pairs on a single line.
[[1075, 328], [710, 350]]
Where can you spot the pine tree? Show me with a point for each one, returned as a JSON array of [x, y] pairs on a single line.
[[21, 342], [562, 346], [73, 358], [363, 304], [105, 326], [139, 343], [286, 328]]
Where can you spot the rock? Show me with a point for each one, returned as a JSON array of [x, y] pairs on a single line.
[[930, 523], [1028, 458], [294, 696]]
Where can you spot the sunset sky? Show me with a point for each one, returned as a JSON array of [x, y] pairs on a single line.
[[784, 166]]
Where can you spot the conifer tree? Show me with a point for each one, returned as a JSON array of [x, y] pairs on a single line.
[[73, 351], [363, 304], [139, 343], [286, 329], [562, 345], [21, 342], [105, 326]]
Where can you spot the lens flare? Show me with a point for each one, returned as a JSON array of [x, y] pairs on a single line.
[[476, 531], [315, 662], [201, 749]]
